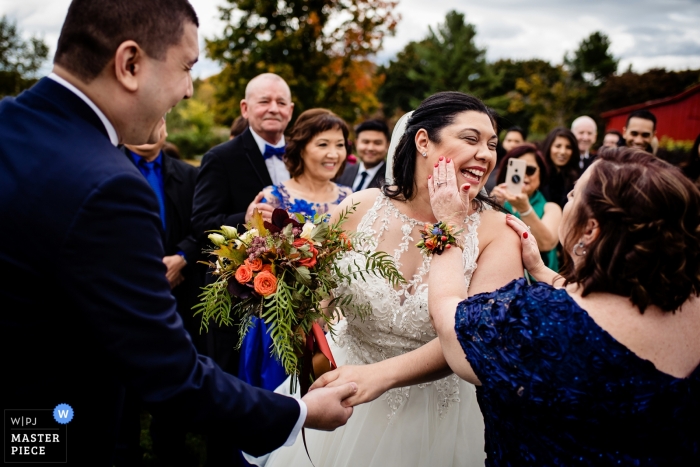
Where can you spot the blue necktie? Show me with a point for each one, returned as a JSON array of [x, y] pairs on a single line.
[[149, 171], [276, 152]]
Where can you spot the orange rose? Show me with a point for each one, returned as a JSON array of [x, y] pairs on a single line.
[[265, 283], [430, 243], [308, 262], [244, 274], [256, 265], [300, 242], [267, 267]]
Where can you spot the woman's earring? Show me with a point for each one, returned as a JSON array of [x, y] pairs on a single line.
[[424, 154], [580, 246]]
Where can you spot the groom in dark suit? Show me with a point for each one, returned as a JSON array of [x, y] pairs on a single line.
[[87, 308]]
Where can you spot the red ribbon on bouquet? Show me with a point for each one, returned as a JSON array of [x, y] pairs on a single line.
[[317, 359]]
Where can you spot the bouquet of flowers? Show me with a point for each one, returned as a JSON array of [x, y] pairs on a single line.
[[284, 272]]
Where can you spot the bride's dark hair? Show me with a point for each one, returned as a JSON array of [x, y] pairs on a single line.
[[433, 114]]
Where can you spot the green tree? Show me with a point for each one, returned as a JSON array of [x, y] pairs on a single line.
[[398, 89], [631, 88], [448, 59], [592, 62], [322, 48], [506, 99], [19, 59], [549, 99], [191, 125]]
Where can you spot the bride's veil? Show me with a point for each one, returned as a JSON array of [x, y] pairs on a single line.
[[399, 130]]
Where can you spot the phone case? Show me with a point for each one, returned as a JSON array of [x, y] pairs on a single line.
[[515, 175]]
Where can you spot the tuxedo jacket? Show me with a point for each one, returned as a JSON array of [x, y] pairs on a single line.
[[348, 176], [230, 177], [87, 310], [179, 180]]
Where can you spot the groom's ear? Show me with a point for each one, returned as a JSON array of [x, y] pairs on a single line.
[[422, 141]]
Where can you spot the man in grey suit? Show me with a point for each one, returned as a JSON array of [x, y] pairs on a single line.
[[372, 146]]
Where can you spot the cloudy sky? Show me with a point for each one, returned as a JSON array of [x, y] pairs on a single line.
[[644, 33]]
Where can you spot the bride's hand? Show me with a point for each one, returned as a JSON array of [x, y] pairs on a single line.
[[449, 201], [369, 379]]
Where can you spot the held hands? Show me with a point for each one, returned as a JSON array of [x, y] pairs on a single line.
[[174, 263], [328, 408], [264, 208], [531, 252], [368, 378], [520, 202], [450, 202]]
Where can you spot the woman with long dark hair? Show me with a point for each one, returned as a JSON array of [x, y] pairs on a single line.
[[427, 416], [597, 365], [562, 155]]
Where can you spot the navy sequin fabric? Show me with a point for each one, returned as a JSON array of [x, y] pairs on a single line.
[[558, 390]]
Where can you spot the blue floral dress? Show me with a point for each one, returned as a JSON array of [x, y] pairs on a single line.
[[558, 390], [257, 366]]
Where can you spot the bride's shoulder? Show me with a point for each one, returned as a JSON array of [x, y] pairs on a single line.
[[357, 204], [493, 228]]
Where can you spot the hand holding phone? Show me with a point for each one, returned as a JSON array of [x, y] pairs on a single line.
[[515, 175]]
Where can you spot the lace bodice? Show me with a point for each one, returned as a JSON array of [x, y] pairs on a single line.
[[399, 321]]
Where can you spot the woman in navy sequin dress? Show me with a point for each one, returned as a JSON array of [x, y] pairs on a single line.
[[600, 368], [315, 155]]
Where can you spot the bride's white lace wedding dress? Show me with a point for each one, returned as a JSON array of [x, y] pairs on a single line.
[[434, 424]]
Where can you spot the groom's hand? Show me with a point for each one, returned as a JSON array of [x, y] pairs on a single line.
[[326, 407]]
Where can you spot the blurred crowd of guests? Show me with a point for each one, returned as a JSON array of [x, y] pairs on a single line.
[[309, 169], [555, 164]]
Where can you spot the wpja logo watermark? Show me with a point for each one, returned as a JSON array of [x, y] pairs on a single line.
[[37, 436]]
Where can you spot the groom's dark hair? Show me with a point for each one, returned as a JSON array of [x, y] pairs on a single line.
[[433, 114], [94, 29]]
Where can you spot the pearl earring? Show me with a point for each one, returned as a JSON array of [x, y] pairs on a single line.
[[424, 154], [579, 249]]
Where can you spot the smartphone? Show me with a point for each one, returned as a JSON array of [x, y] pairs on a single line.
[[515, 175]]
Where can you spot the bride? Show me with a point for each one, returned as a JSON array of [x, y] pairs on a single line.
[[415, 412]]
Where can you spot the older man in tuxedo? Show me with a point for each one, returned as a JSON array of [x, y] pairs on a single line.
[[232, 176], [88, 310], [586, 132]]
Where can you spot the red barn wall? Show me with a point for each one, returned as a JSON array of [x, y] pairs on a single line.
[[677, 117]]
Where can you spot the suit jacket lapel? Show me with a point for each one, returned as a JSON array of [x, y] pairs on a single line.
[[378, 177], [252, 152]]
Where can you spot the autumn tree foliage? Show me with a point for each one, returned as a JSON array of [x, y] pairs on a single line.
[[322, 48]]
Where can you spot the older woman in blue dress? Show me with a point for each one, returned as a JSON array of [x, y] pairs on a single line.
[[315, 155], [598, 365]]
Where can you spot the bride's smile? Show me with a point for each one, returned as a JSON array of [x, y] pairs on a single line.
[[470, 141]]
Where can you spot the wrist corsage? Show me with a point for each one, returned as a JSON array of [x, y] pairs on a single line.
[[438, 237]]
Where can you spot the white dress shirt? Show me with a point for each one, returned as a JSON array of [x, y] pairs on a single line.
[[275, 166], [108, 125], [115, 141], [370, 175], [584, 156]]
